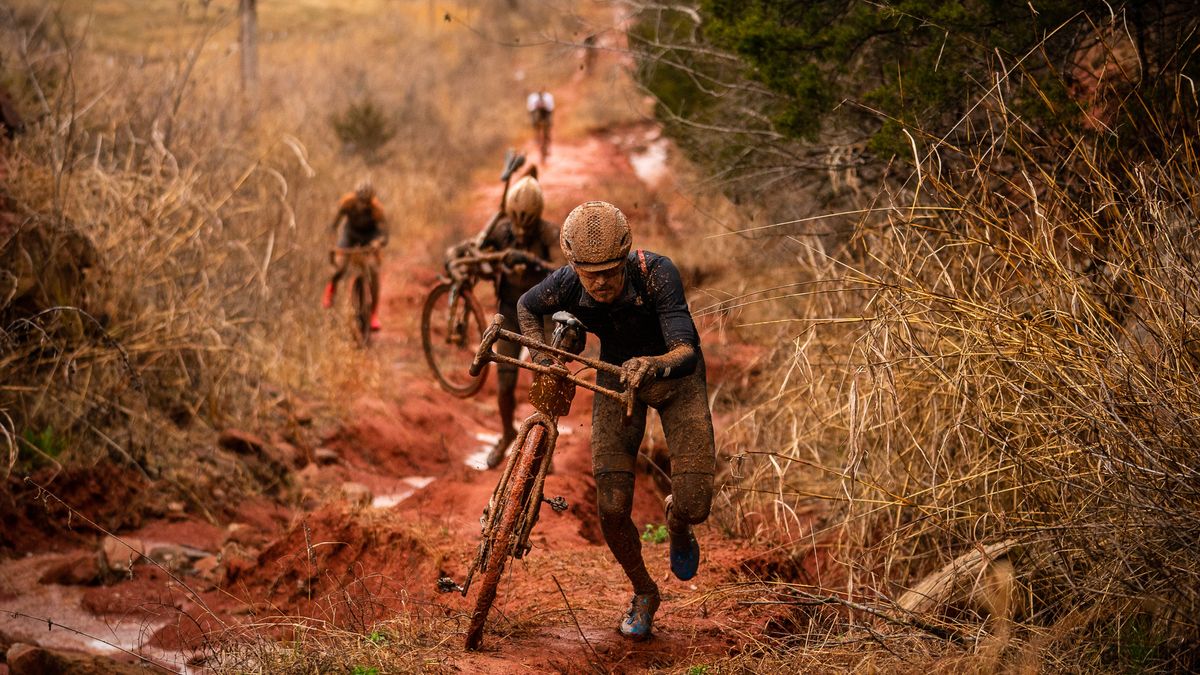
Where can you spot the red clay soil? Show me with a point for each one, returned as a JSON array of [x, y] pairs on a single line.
[[353, 565]]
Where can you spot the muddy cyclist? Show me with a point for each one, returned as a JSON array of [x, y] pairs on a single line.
[[365, 225], [532, 242], [634, 302]]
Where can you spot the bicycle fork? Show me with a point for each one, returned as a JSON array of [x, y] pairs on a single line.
[[499, 499]]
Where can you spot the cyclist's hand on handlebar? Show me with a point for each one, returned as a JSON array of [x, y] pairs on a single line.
[[518, 257], [638, 371]]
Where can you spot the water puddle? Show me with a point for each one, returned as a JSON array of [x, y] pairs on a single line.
[[478, 460], [650, 163], [411, 483]]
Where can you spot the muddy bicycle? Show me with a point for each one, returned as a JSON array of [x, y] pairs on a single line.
[[515, 504], [362, 266], [451, 317], [452, 321]]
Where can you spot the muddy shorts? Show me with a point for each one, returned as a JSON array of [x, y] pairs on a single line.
[[682, 404]]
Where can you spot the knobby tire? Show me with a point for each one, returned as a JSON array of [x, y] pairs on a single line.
[[504, 535], [473, 313]]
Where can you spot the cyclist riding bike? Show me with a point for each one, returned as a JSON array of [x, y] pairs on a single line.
[[532, 243], [365, 226], [634, 302], [540, 105]]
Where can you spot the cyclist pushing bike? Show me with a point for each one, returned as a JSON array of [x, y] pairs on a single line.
[[364, 226], [532, 246], [634, 303]]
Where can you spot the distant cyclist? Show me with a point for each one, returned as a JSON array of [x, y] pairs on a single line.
[[634, 302], [364, 226], [540, 105], [532, 243]]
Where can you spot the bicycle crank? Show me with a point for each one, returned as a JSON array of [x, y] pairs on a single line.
[[559, 504]]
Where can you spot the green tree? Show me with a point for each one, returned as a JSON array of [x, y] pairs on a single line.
[[879, 67]]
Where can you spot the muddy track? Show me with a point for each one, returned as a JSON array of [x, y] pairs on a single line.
[[352, 556]]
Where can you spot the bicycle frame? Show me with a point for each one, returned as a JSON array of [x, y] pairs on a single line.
[[362, 265], [551, 395], [495, 332]]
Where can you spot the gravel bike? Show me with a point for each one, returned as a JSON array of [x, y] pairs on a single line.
[[452, 321], [516, 502], [362, 264], [451, 318]]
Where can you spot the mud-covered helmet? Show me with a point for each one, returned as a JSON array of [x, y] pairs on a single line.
[[595, 237], [524, 204], [364, 190]]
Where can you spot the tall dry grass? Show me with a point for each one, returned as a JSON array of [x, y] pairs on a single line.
[[169, 236], [1004, 356]]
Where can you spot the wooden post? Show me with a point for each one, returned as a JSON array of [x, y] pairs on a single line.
[[248, 13]]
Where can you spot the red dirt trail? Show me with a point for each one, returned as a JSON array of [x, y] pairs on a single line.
[[353, 565]]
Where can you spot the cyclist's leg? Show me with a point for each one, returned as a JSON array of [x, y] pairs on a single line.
[[339, 271], [506, 396], [687, 425], [614, 455], [376, 266]]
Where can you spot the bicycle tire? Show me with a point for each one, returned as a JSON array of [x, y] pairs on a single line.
[[459, 384], [504, 535], [362, 308]]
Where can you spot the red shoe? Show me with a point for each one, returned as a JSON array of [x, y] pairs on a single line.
[[375, 325], [327, 299]]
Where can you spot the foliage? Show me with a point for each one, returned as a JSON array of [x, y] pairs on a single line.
[[363, 127], [655, 534]]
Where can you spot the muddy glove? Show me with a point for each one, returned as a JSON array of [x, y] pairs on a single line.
[[638, 371], [517, 257]]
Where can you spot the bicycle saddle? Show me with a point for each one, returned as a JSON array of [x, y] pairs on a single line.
[[568, 319], [569, 334]]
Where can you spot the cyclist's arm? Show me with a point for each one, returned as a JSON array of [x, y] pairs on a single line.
[[381, 224], [675, 320], [537, 303]]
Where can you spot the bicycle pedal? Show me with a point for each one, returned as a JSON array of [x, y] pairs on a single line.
[[447, 585], [559, 504]]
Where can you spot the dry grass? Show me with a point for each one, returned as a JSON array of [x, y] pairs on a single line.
[[183, 230], [1005, 351]]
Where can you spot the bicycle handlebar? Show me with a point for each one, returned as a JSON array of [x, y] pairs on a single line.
[[495, 332]]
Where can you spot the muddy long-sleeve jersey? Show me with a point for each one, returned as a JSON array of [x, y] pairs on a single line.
[[649, 319]]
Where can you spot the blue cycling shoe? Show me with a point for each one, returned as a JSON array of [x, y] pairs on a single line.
[[685, 550], [640, 617], [685, 555]]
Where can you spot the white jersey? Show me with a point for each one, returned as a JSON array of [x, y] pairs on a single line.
[[543, 101]]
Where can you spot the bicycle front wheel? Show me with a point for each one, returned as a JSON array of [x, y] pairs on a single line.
[[451, 328], [504, 535], [362, 308]]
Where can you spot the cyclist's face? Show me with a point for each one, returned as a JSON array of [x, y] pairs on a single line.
[[604, 286]]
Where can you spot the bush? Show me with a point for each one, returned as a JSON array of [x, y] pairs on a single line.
[[364, 128]]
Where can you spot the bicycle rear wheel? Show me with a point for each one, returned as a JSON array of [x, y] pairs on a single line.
[[504, 536], [451, 328]]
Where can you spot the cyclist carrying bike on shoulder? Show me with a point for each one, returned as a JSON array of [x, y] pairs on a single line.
[[532, 243], [365, 226], [634, 302]]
